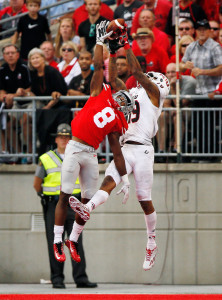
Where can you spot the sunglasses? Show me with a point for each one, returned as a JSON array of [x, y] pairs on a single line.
[[67, 49], [184, 45], [184, 28], [214, 28]]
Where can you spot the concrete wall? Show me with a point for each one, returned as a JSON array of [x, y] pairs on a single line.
[[187, 198]]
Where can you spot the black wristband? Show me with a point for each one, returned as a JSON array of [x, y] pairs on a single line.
[[40, 194]]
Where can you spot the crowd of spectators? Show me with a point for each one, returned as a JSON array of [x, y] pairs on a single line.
[[39, 64]]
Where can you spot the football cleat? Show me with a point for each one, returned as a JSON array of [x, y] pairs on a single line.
[[74, 250], [149, 258], [59, 252], [80, 208]]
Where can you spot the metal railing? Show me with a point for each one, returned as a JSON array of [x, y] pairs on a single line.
[[201, 131]]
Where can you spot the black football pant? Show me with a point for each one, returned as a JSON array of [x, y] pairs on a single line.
[[56, 268]]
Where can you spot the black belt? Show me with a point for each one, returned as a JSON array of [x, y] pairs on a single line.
[[133, 143], [51, 198], [55, 197]]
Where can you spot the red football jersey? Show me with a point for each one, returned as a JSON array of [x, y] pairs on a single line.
[[97, 118]]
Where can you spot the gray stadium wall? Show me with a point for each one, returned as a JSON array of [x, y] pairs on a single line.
[[187, 198]]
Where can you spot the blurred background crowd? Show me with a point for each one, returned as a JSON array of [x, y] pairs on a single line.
[[47, 50]]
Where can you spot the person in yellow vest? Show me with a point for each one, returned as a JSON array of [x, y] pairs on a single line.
[[47, 185]]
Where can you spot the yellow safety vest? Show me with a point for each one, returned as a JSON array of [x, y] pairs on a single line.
[[51, 184]]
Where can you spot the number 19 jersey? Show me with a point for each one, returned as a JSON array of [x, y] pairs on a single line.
[[97, 118]]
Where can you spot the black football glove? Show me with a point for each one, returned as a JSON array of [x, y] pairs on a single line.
[[114, 45]]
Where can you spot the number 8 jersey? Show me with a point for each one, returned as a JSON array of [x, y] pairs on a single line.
[[97, 118]]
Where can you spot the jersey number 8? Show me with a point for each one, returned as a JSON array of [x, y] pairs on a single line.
[[103, 117]]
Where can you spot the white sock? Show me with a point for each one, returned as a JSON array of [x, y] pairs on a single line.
[[76, 231], [58, 231], [151, 229], [99, 198]]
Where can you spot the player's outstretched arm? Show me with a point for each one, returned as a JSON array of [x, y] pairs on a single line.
[[116, 83], [151, 89], [137, 72], [97, 79]]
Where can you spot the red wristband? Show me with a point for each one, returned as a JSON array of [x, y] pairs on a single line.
[[112, 54], [127, 46]]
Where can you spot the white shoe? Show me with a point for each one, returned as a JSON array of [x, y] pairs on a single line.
[[150, 258], [80, 208]]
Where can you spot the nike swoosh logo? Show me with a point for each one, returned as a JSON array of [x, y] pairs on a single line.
[[30, 26]]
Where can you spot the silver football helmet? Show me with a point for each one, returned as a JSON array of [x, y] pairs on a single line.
[[161, 81], [125, 102]]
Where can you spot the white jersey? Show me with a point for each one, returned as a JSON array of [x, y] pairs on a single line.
[[143, 125]]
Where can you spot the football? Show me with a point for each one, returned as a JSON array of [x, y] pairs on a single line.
[[116, 26]]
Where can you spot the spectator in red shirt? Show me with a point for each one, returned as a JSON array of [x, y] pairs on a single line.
[[16, 7], [81, 14], [49, 51], [161, 10], [157, 59], [147, 20]]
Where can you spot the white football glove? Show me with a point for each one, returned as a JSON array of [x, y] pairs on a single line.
[[101, 34], [125, 188]]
